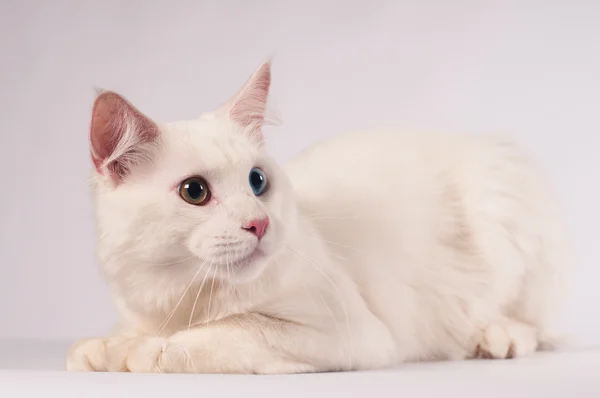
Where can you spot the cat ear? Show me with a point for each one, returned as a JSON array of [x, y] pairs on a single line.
[[119, 135], [247, 107]]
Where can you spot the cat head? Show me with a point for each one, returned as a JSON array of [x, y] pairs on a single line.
[[197, 196]]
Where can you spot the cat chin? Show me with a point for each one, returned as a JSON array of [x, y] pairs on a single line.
[[243, 273], [238, 271], [247, 261]]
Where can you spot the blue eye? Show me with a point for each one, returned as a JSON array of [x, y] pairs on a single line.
[[258, 181]]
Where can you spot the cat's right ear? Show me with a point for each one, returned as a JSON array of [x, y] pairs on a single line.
[[119, 136]]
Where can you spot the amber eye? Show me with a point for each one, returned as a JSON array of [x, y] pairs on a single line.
[[194, 190]]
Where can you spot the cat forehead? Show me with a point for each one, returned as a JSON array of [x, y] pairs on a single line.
[[208, 143]]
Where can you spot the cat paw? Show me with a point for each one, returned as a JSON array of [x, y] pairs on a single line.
[[101, 355], [156, 355], [506, 339], [87, 356]]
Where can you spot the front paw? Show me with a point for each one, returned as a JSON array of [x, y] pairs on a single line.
[[156, 355], [88, 356], [109, 354], [140, 354]]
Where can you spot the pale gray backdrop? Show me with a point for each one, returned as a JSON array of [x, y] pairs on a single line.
[[529, 69]]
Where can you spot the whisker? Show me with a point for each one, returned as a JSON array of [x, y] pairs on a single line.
[[171, 263], [164, 324], [338, 256], [220, 308], [198, 295], [314, 218], [232, 286], [336, 244], [332, 316], [333, 285], [143, 262], [212, 285]]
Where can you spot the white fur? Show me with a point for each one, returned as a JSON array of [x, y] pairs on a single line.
[[382, 248]]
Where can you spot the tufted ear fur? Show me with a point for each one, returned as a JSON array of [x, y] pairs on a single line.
[[247, 107], [119, 136]]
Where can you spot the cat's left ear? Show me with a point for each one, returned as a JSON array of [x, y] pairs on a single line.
[[248, 106]]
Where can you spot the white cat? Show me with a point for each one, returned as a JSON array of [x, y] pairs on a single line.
[[366, 251]]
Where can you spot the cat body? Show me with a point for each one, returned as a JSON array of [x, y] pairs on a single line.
[[365, 251]]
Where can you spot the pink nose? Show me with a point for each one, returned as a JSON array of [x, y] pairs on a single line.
[[257, 227]]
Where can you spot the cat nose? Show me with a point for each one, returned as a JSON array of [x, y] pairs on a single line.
[[258, 226]]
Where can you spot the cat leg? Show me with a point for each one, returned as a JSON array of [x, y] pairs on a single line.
[[504, 339], [541, 304], [243, 344]]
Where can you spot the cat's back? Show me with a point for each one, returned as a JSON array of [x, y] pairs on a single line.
[[383, 192], [401, 196], [392, 180], [385, 166]]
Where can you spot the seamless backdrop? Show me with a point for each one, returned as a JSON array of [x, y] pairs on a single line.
[[529, 69]]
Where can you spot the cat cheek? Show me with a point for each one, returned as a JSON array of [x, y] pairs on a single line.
[[195, 243]]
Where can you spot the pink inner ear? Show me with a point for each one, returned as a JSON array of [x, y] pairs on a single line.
[[116, 130], [105, 131], [248, 108]]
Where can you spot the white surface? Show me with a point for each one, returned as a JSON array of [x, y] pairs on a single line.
[[30, 368], [527, 68]]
